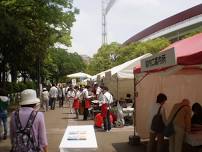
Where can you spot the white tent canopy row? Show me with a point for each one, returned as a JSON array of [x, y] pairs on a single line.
[[79, 75], [119, 79], [124, 70]]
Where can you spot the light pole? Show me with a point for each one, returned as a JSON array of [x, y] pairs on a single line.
[[106, 6]]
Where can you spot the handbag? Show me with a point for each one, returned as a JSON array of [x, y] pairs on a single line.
[[157, 124], [169, 129]]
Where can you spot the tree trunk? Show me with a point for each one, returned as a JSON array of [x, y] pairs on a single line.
[[3, 73], [13, 75]]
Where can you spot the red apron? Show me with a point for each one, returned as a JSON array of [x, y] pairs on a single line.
[[76, 104], [87, 104], [104, 110]]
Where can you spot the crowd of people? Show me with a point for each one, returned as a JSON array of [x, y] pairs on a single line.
[[28, 131], [180, 117], [27, 125]]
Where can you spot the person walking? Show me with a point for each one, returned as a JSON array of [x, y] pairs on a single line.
[[76, 103], [60, 95], [45, 99], [71, 95], [105, 108], [53, 93], [3, 112], [182, 124], [27, 126], [157, 109]]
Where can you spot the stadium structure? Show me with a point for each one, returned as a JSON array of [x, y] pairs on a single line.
[[172, 28]]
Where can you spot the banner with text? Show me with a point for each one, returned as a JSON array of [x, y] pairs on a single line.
[[161, 60]]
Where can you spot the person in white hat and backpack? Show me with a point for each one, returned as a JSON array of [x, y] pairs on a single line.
[[27, 127]]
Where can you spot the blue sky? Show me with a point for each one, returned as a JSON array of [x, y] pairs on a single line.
[[125, 19]]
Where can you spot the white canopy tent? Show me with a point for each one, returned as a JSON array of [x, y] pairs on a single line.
[[99, 76], [79, 75], [119, 79]]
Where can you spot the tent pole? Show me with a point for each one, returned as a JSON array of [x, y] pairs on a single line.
[[134, 139], [134, 106], [117, 89]]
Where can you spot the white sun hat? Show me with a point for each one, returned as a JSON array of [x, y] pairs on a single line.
[[28, 97]]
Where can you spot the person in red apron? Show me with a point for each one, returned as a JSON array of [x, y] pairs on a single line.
[[76, 103], [105, 108], [87, 99]]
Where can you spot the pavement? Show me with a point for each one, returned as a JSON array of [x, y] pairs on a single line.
[[114, 141], [57, 120]]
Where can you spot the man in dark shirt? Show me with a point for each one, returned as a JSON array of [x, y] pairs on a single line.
[[197, 116]]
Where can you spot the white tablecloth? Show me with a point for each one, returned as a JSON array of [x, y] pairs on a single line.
[[194, 139], [128, 110], [88, 144]]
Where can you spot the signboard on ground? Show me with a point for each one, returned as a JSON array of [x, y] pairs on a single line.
[[79, 139], [161, 60]]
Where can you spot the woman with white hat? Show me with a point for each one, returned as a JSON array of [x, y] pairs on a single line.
[[27, 127]]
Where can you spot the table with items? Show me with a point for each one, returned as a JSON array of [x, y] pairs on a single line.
[[79, 138]]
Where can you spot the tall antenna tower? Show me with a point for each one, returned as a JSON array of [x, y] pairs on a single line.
[[106, 6]]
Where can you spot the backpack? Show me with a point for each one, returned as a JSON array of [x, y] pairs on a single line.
[[157, 124], [24, 141]]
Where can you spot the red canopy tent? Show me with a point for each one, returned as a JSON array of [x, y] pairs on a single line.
[[187, 51], [181, 80]]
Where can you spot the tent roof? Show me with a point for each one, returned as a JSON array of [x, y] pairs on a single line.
[[125, 70], [79, 75], [187, 51], [101, 74]]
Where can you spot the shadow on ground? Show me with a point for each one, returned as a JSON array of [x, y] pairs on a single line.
[[5, 148], [68, 118], [66, 113], [125, 146]]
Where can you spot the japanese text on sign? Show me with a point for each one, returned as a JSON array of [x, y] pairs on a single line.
[[160, 60]]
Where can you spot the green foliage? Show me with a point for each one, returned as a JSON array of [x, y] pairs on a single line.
[[59, 63], [19, 86], [114, 54], [28, 28], [104, 59], [193, 32]]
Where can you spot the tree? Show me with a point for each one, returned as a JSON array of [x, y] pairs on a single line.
[[59, 63], [114, 54], [28, 29], [104, 59]]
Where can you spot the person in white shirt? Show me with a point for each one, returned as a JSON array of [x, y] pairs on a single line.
[[105, 108], [98, 91], [158, 105], [45, 99], [53, 93], [87, 102], [71, 95]]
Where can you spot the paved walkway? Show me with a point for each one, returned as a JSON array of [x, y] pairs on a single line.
[[58, 119]]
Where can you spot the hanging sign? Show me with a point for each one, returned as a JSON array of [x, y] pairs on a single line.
[[73, 82], [161, 60]]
